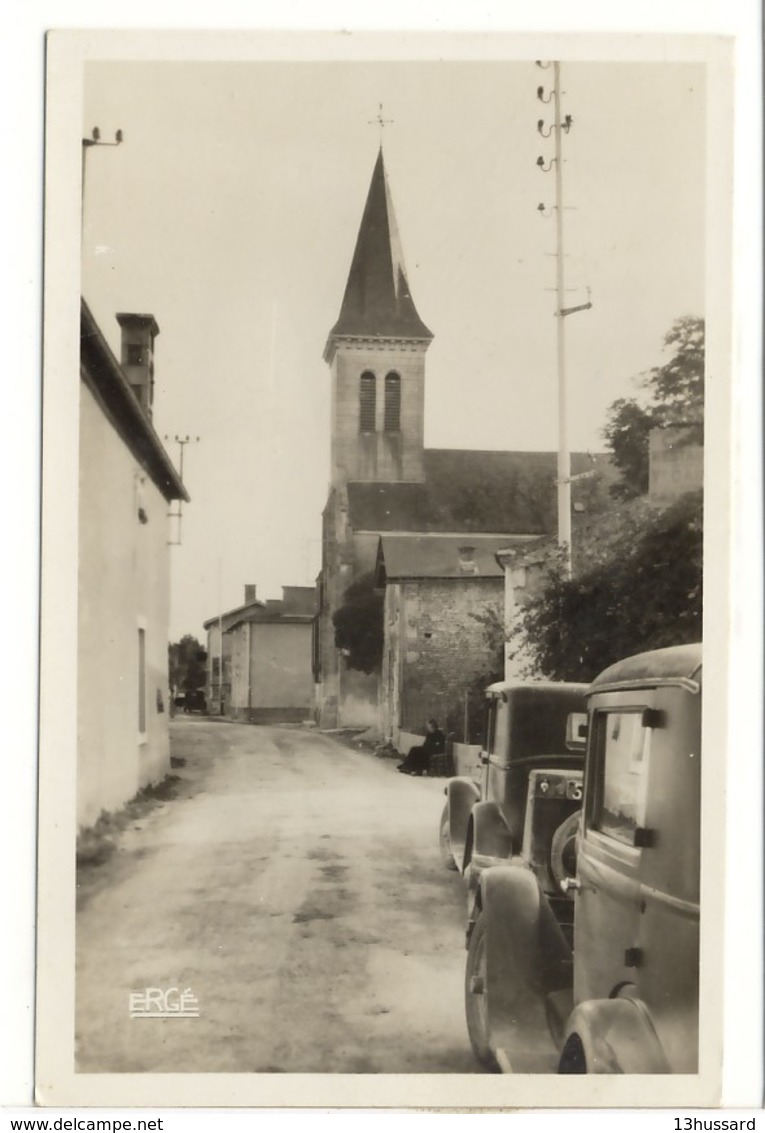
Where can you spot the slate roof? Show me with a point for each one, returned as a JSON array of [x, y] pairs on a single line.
[[377, 301], [439, 556], [233, 617], [466, 490], [298, 604]]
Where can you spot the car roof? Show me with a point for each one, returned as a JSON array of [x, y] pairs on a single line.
[[536, 688], [676, 665]]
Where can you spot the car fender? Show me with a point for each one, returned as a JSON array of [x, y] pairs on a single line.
[[462, 795], [489, 841], [524, 926], [527, 957], [612, 1036]]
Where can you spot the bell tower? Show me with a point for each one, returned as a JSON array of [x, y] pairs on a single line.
[[376, 354]]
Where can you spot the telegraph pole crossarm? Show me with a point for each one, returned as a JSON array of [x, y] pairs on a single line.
[[573, 310]]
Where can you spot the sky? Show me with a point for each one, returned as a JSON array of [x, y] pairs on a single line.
[[230, 212]]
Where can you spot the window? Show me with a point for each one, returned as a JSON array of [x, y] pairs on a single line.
[[134, 354], [623, 744], [392, 403], [141, 681], [367, 395]]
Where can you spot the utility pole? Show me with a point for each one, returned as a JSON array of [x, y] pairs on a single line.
[[221, 705], [564, 456], [560, 126], [181, 442], [88, 143]]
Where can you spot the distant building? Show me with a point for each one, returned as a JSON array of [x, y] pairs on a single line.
[[219, 647], [266, 654], [383, 479], [126, 483]]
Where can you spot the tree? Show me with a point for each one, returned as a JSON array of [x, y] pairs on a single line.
[[672, 394], [626, 433], [359, 625], [640, 587], [186, 661]]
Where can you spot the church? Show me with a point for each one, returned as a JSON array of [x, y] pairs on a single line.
[[439, 515]]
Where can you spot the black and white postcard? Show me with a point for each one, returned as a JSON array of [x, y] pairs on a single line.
[[388, 402]]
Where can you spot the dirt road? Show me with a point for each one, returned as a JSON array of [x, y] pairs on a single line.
[[294, 887]]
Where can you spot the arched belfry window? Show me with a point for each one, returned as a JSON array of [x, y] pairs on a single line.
[[367, 396], [392, 403]]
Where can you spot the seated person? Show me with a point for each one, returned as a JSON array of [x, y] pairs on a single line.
[[418, 758]]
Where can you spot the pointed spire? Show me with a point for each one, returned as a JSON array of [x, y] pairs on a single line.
[[377, 301]]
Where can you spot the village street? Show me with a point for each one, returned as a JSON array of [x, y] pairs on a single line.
[[294, 887]]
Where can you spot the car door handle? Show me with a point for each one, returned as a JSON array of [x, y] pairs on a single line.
[[569, 884]]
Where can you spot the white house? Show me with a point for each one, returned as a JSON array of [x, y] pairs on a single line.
[[127, 481]]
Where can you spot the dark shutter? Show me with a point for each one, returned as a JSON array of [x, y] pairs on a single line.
[[367, 403], [392, 403]]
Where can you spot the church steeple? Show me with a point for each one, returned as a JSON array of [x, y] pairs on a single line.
[[376, 352], [377, 301]]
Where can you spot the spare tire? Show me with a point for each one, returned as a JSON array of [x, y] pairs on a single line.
[[563, 849]]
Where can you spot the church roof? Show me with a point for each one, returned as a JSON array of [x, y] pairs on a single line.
[[469, 491], [377, 301]]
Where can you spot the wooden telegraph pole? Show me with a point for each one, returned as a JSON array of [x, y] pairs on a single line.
[[561, 125]]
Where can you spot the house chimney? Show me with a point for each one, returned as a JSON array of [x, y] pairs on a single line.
[[467, 561], [250, 593], [138, 334]]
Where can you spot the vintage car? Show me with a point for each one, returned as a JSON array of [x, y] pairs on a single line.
[[624, 998], [525, 811]]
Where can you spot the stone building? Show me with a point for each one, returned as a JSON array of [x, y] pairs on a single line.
[[127, 481], [219, 650], [441, 595], [383, 480]]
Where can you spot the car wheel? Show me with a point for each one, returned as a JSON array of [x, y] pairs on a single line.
[[476, 996], [444, 843], [563, 849]]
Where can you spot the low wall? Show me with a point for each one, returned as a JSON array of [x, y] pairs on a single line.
[[270, 715], [408, 740]]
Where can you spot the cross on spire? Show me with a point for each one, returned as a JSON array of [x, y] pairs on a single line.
[[380, 121]]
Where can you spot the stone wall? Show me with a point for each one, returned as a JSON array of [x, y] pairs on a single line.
[[436, 652]]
